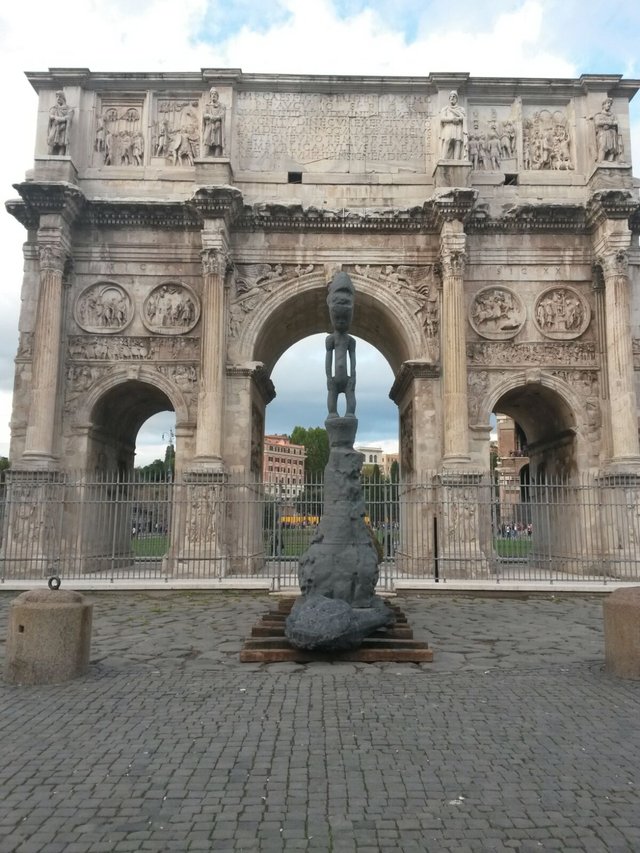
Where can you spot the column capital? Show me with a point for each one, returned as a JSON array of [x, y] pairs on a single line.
[[215, 261], [453, 261], [614, 263], [52, 257]]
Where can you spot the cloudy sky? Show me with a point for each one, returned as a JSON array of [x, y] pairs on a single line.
[[525, 38]]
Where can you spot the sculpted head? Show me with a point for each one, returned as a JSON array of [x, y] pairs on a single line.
[[340, 299], [60, 98], [607, 104], [453, 98], [213, 95]]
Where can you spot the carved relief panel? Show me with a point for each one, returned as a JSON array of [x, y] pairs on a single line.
[[497, 313], [561, 313], [493, 139], [119, 138], [175, 135], [406, 440], [547, 142], [419, 286], [172, 308], [104, 307], [253, 283]]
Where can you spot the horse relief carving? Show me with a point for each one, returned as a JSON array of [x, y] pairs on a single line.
[[497, 313]]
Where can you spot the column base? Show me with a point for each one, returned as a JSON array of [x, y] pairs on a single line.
[[37, 462], [620, 466], [206, 465]]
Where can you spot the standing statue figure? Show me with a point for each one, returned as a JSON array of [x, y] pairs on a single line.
[[608, 139], [59, 123], [341, 377], [213, 135], [452, 118]]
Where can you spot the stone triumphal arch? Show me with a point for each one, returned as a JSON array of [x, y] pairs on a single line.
[[181, 231]]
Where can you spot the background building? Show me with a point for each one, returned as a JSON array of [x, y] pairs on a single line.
[[283, 466]]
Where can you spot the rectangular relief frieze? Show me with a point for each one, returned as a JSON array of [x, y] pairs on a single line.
[[539, 353], [119, 137]]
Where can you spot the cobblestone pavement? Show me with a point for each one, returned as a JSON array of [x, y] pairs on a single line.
[[514, 739]]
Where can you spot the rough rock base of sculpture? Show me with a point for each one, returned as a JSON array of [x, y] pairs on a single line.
[[318, 623], [339, 571]]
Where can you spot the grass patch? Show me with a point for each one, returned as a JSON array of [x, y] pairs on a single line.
[[150, 545], [518, 547]]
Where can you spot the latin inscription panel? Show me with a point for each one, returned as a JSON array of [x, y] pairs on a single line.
[[285, 130]]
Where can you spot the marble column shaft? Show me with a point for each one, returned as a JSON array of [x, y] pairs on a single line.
[[622, 397], [454, 356], [212, 363], [39, 441]]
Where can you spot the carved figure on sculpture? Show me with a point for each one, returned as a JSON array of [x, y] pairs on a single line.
[[340, 362], [608, 140], [452, 133], [339, 570], [213, 119], [60, 116]]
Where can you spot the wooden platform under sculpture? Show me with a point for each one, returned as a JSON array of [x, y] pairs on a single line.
[[395, 644]]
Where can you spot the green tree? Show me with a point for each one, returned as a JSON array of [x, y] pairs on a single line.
[[316, 443], [4, 463]]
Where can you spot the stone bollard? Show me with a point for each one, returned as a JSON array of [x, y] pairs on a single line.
[[622, 633], [49, 637]]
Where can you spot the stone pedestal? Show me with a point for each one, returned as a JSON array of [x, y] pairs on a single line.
[[54, 168], [214, 172], [452, 173], [622, 633], [606, 176], [49, 637]]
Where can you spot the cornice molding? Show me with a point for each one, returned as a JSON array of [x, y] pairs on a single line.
[[217, 202], [225, 203], [612, 204], [294, 217], [455, 204], [529, 218], [46, 197], [410, 370]]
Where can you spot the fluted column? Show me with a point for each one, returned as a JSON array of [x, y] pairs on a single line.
[[619, 357], [39, 442], [454, 356], [212, 359]]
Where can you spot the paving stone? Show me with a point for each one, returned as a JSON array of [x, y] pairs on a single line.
[[530, 748]]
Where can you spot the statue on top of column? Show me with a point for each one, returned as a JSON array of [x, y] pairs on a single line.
[[213, 118], [452, 131], [608, 139], [60, 116]]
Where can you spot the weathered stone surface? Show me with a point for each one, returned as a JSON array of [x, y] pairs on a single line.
[[622, 633], [49, 637], [331, 624]]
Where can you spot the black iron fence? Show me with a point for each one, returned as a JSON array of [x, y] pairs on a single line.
[[213, 528]]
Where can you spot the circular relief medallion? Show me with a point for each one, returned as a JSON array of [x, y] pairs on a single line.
[[104, 307], [171, 308], [561, 313], [497, 313]]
